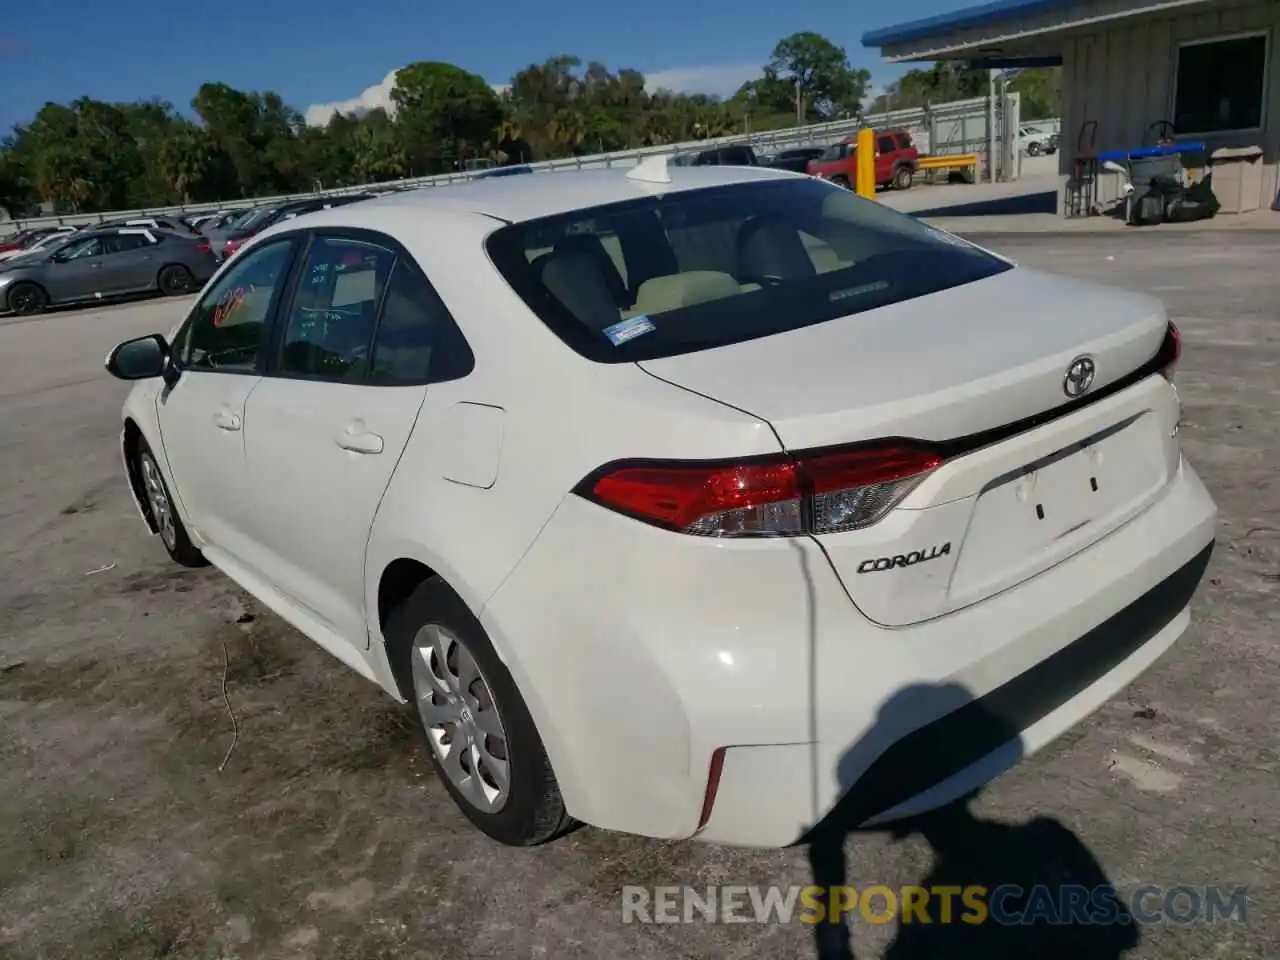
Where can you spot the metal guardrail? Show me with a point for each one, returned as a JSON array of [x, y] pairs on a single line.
[[961, 114]]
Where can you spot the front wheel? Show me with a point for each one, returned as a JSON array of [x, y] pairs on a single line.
[[173, 534], [26, 299], [479, 734], [902, 178], [840, 180], [1033, 149]]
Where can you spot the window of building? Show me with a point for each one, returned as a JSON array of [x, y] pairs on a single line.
[[1220, 85]]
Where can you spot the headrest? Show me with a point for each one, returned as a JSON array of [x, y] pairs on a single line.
[[767, 248], [578, 282]]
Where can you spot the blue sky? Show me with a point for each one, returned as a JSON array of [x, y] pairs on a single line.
[[329, 51]]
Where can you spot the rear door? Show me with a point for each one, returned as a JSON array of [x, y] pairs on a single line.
[[886, 153], [130, 261], [326, 427]]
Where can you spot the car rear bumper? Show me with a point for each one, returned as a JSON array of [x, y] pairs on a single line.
[[642, 653]]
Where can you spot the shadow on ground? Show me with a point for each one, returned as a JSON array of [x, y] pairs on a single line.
[[1045, 202], [999, 891]]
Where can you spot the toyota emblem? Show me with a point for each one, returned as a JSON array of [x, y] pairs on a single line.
[[1079, 376]]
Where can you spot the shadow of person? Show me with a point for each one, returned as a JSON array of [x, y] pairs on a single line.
[[997, 891]]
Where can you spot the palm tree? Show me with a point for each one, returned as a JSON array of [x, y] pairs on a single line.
[[184, 159]]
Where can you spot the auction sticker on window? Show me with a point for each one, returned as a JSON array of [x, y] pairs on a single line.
[[620, 333]]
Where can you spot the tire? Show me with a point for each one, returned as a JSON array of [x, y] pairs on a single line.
[[160, 505], [26, 299], [175, 280], [429, 635], [1033, 149], [840, 180], [902, 178]]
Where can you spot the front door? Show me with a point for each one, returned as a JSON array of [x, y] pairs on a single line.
[[78, 271], [203, 414], [326, 427]]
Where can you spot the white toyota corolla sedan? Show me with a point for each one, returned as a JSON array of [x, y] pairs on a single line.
[[702, 501]]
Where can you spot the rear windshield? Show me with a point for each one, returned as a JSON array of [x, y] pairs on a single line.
[[700, 269]]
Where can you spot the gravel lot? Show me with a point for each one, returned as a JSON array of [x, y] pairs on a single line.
[[327, 836]]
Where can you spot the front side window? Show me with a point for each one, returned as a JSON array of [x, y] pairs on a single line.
[[80, 250], [329, 329], [700, 269], [885, 145], [225, 332], [1220, 85]]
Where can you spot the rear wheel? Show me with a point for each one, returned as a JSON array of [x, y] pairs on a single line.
[[175, 280], [168, 524], [26, 299], [902, 178], [1033, 149], [840, 180], [481, 738]]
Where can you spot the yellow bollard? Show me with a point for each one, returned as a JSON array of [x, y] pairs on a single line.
[[865, 176]]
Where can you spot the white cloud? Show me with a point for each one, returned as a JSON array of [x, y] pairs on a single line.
[[718, 79], [722, 79], [379, 95]]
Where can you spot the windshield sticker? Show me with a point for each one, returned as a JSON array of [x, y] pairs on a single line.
[[229, 304], [858, 291], [620, 333]]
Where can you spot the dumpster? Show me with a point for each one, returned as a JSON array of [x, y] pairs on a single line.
[[1237, 178]]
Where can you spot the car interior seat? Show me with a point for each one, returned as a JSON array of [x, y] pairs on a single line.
[[771, 250], [576, 278]]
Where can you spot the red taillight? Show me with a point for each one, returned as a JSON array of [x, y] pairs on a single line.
[[1170, 351], [812, 493], [713, 786], [204, 246], [230, 247]]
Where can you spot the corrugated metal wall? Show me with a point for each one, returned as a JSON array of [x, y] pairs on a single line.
[[1123, 76]]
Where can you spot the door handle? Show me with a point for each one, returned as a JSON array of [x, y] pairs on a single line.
[[226, 420], [359, 441]]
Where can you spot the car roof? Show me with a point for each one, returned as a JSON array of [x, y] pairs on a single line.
[[516, 199]]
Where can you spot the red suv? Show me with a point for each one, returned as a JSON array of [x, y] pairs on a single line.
[[896, 160]]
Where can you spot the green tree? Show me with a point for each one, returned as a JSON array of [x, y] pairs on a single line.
[[820, 69], [377, 151], [184, 158], [444, 114]]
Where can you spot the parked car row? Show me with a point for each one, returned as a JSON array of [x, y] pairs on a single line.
[[55, 266], [895, 161], [105, 263]]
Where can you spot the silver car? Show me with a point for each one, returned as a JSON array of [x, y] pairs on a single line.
[[105, 264]]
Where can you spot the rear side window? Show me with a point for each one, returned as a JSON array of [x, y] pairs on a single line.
[[415, 342], [700, 269], [904, 140]]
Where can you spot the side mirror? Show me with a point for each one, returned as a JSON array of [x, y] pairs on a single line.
[[139, 359]]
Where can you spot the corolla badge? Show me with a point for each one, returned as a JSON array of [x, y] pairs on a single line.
[[1079, 377]]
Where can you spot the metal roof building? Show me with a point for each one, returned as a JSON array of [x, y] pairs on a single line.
[[1209, 68]]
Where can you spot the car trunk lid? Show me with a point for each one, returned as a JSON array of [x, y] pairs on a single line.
[[980, 377]]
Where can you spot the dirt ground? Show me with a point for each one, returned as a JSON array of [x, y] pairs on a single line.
[[326, 834]]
